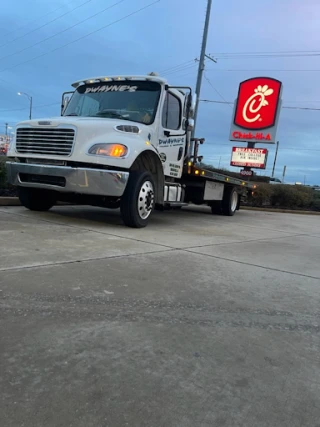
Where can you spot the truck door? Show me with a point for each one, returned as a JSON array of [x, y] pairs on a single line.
[[172, 138]]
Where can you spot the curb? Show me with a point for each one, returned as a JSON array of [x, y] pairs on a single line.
[[249, 208], [9, 201], [14, 201]]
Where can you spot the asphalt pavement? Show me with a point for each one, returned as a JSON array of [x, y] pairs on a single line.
[[196, 320]]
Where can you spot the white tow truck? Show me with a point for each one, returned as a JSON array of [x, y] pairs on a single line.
[[121, 142]]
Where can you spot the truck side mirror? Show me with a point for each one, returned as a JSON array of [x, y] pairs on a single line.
[[65, 101], [190, 124]]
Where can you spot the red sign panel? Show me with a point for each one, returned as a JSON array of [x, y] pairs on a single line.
[[248, 136], [246, 173], [257, 104], [249, 157]]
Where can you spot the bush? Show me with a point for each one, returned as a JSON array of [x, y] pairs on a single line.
[[261, 195], [289, 196], [315, 204], [3, 183]]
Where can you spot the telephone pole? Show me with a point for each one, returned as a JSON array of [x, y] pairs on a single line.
[[202, 62], [275, 159]]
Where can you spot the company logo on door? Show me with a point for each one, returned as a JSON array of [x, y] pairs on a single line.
[[257, 103]]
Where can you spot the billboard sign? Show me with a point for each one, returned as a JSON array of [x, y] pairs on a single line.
[[256, 111], [249, 157], [244, 172]]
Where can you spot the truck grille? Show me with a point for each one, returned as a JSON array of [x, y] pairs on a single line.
[[56, 142]]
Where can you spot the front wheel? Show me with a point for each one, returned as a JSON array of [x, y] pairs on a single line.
[[137, 202], [36, 199]]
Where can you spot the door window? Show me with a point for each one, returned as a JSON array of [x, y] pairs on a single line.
[[171, 113]]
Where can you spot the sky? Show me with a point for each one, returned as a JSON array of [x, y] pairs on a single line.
[[61, 41]]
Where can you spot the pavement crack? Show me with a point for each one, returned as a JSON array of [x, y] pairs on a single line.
[[92, 231], [267, 239], [58, 263], [254, 265]]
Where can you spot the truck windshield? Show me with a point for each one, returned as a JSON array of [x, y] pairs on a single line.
[[127, 100]]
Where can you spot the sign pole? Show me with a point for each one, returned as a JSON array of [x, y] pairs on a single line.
[[250, 145]]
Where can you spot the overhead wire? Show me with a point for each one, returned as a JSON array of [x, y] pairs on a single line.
[[62, 31], [44, 25], [179, 70], [37, 19], [176, 66], [27, 108], [216, 90], [282, 148], [275, 70], [82, 37], [285, 106], [267, 52]]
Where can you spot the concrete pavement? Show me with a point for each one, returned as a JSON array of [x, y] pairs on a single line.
[[197, 320]]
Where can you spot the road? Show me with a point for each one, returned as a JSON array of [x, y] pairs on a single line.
[[197, 320]]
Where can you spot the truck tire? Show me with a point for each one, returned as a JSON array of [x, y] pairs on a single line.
[[137, 202], [230, 201], [216, 208], [36, 199]]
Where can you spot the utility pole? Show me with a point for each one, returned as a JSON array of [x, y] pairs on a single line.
[[275, 159], [284, 173], [7, 129], [202, 62]]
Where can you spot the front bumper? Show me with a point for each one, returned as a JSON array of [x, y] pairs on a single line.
[[66, 179]]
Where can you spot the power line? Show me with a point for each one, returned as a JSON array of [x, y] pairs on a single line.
[[62, 31], [287, 107], [267, 52], [176, 66], [27, 108], [50, 22], [82, 37], [37, 19], [288, 70], [282, 148], [296, 55], [179, 70], [216, 90]]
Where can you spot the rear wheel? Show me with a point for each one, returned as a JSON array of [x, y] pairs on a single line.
[[36, 199], [230, 201], [137, 202]]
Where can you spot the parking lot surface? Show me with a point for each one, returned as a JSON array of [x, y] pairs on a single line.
[[197, 320]]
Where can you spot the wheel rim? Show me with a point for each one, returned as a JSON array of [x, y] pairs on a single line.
[[145, 199], [234, 201]]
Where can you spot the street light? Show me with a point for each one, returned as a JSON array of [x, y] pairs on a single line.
[[30, 99]]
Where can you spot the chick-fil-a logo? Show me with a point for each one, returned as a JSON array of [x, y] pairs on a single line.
[[257, 103]]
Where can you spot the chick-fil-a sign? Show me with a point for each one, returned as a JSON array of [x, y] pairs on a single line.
[[257, 108]]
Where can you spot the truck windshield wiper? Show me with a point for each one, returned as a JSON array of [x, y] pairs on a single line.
[[109, 114], [71, 114]]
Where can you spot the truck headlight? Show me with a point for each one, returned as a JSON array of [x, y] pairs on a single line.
[[111, 150]]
